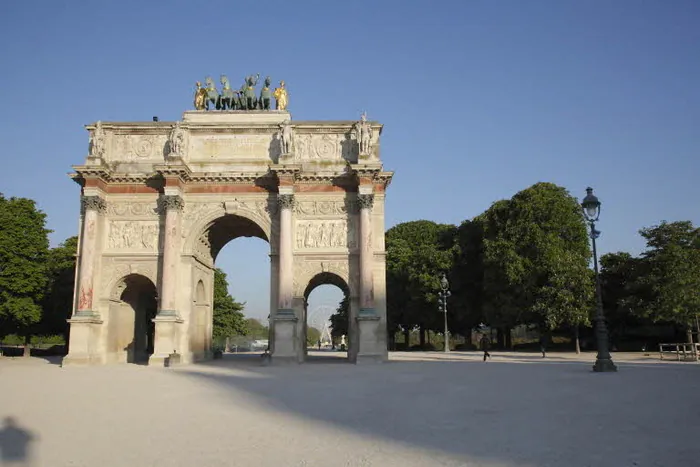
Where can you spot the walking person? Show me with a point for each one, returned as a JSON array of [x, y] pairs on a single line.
[[485, 343], [543, 345]]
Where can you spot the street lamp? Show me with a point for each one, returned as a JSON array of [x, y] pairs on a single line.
[[603, 361], [442, 306]]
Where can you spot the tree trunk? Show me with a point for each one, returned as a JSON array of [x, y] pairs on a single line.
[[577, 341], [407, 337], [227, 348], [421, 333], [27, 348], [428, 332], [500, 338], [689, 334], [509, 338]]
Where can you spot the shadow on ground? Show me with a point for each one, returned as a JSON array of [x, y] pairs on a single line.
[[534, 414]]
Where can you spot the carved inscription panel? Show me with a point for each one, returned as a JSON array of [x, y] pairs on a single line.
[[133, 235], [139, 147], [316, 234], [227, 146]]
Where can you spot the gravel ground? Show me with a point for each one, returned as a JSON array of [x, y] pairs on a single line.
[[419, 409]]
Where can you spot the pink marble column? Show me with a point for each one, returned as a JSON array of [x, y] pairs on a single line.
[[366, 255], [91, 206], [173, 205], [286, 271]]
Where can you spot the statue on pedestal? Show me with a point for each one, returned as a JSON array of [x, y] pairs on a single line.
[[286, 136], [176, 140], [98, 141], [200, 97], [281, 97], [265, 95], [363, 133]]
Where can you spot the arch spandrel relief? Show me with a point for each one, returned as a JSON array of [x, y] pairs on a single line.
[[305, 270]]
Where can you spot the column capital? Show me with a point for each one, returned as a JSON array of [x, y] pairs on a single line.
[[285, 201], [171, 202], [92, 202], [365, 201]]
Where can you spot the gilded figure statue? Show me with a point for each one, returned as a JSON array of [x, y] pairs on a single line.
[[200, 96], [281, 97]]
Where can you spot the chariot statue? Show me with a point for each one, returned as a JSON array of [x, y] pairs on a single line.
[[281, 97], [251, 101], [229, 98], [200, 97], [265, 95], [212, 94]]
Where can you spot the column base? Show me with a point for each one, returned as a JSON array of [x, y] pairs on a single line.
[[604, 365], [166, 337], [372, 347], [85, 326], [286, 337]]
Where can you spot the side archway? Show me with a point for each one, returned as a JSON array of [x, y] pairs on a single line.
[[130, 328]]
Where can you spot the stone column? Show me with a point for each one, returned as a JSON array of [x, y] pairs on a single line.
[[366, 255], [92, 206], [287, 346], [173, 205], [168, 319], [86, 322], [286, 267]]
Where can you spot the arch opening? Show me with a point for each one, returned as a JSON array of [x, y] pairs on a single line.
[[131, 319], [326, 318], [229, 227]]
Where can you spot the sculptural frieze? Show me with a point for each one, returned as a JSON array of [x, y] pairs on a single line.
[[314, 234], [325, 207], [98, 141], [133, 235], [132, 209]]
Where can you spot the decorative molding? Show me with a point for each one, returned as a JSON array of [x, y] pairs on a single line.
[[139, 209], [113, 274], [325, 207], [94, 203], [285, 201]]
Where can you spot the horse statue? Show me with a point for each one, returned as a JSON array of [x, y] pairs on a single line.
[[265, 95], [213, 96], [228, 96], [251, 102]]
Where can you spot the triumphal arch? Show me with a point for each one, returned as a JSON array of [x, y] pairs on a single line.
[[160, 199]]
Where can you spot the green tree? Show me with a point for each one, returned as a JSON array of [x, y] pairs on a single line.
[[57, 304], [228, 319], [417, 253], [313, 335], [672, 273], [339, 319], [24, 248], [536, 261], [256, 329]]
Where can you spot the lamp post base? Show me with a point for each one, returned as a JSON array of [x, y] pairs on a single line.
[[603, 365]]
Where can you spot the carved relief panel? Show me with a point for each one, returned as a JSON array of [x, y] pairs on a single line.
[[325, 234], [133, 235], [304, 271], [324, 147], [137, 147], [255, 146]]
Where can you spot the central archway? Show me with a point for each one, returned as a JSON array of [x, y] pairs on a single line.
[[340, 337]]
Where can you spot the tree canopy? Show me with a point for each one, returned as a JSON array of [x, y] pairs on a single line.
[[24, 247], [228, 319]]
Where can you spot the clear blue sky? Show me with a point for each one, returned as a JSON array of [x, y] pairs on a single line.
[[479, 99]]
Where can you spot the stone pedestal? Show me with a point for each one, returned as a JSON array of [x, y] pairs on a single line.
[[287, 344], [166, 338], [371, 348], [84, 333]]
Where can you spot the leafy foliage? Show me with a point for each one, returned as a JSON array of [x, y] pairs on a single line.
[[58, 301], [24, 249], [339, 319], [313, 335], [255, 329], [228, 319]]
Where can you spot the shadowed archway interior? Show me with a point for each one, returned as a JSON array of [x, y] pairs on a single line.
[[133, 321]]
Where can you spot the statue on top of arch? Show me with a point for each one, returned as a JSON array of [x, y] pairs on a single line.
[[245, 98]]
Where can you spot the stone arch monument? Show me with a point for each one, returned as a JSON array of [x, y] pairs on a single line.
[[160, 199]]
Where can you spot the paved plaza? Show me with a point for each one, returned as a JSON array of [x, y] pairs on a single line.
[[418, 409]]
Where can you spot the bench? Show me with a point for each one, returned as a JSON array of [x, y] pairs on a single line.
[[685, 351]]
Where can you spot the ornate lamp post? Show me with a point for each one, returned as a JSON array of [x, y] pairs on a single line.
[[591, 211], [442, 300]]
